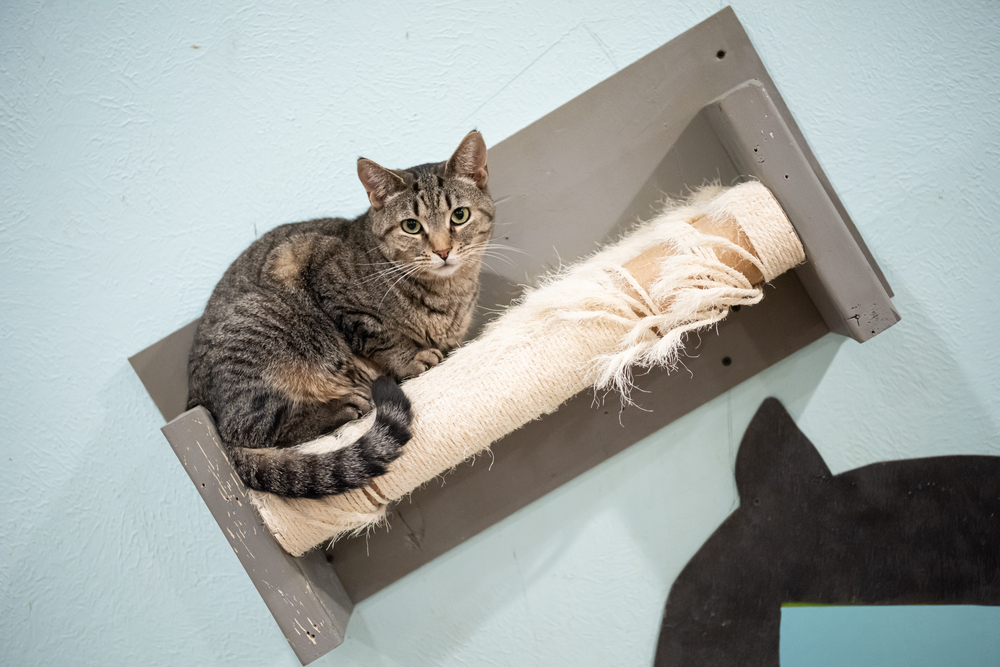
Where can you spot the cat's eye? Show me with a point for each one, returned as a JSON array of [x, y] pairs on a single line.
[[460, 216], [410, 226]]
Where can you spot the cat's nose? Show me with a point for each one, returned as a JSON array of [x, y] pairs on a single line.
[[443, 254]]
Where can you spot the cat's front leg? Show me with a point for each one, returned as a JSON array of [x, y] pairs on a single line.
[[356, 404], [423, 360], [404, 360], [358, 379], [308, 421]]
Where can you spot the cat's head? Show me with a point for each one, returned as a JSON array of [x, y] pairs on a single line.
[[434, 219]]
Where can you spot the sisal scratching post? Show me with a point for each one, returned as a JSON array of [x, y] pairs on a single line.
[[629, 305]]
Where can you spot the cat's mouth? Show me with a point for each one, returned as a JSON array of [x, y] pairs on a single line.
[[446, 267]]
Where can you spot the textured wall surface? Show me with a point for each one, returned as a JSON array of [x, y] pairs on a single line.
[[143, 145]]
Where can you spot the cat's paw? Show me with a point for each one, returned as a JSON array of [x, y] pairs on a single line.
[[423, 360], [356, 404]]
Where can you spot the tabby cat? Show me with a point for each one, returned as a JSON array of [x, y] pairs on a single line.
[[316, 321]]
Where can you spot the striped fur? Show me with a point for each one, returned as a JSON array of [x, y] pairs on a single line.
[[305, 320], [307, 475]]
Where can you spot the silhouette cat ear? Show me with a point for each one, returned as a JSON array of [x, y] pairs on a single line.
[[469, 160], [379, 182], [776, 460]]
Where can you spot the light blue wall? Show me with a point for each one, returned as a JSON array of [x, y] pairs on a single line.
[[136, 166]]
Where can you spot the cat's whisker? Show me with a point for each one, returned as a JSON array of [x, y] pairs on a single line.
[[390, 272], [493, 249], [495, 255], [493, 243], [501, 246], [394, 267], [393, 286], [406, 269], [506, 260], [380, 273], [482, 249], [491, 268]]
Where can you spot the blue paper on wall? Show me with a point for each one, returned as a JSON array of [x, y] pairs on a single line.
[[890, 636]]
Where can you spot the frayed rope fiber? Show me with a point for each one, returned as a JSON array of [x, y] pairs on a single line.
[[587, 325]]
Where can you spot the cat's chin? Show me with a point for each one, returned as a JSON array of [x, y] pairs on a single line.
[[443, 271]]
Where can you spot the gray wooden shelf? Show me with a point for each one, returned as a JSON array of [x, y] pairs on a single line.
[[699, 108]]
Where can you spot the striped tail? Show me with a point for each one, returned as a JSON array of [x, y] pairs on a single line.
[[292, 473]]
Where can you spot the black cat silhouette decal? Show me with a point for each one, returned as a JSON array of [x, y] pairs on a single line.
[[918, 531]]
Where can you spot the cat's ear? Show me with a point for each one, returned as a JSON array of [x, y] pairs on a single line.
[[379, 182], [776, 460], [469, 160]]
